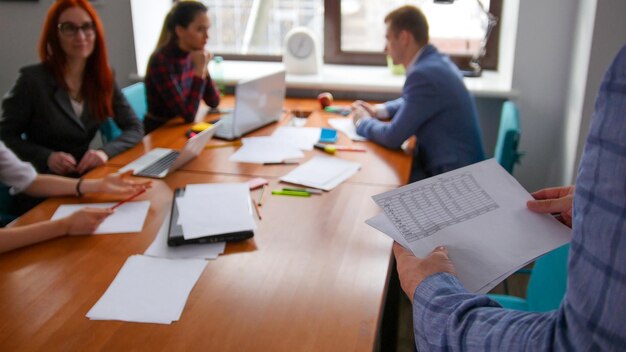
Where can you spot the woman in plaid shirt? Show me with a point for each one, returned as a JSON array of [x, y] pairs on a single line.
[[177, 76]]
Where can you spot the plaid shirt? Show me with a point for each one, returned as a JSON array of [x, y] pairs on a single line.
[[592, 316], [172, 89]]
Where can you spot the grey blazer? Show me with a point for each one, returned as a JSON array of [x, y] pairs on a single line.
[[38, 119]]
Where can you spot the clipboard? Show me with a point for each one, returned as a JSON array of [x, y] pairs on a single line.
[[175, 231]]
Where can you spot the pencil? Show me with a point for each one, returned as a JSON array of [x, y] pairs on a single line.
[[261, 196], [127, 199], [221, 145], [256, 207]]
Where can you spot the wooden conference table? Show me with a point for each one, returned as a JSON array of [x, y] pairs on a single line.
[[313, 278]]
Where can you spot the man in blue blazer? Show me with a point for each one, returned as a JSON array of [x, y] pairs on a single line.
[[435, 105]]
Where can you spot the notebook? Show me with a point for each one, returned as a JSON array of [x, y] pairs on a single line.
[[160, 162], [258, 102], [175, 235]]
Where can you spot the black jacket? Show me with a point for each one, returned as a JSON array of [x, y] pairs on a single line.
[[38, 119]]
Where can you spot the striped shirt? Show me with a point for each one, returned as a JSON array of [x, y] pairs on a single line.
[[172, 89], [592, 316]]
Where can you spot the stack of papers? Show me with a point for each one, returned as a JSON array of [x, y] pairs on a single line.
[[127, 218], [159, 247], [346, 126], [149, 290], [215, 209], [302, 138], [479, 214], [322, 172], [261, 150]]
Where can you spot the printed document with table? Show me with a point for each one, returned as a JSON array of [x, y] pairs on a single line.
[[160, 162], [479, 214], [258, 102]]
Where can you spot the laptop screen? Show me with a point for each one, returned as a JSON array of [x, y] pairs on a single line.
[[259, 101]]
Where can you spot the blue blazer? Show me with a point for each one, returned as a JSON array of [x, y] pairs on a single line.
[[436, 108]]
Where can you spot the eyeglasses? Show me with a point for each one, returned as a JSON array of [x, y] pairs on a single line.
[[70, 29]]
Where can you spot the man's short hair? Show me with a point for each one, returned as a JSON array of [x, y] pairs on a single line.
[[411, 19]]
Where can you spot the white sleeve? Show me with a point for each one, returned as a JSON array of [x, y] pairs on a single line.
[[14, 172]]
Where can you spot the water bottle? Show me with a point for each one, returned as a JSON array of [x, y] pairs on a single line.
[[217, 73]]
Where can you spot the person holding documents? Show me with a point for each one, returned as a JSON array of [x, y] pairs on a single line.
[[177, 77], [435, 105], [447, 317], [22, 177], [52, 114]]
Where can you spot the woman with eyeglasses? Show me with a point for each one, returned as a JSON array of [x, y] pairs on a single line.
[[177, 77], [53, 112]]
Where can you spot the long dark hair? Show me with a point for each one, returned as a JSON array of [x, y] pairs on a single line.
[[97, 85], [181, 14]]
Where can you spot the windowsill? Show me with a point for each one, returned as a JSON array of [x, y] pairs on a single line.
[[365, 79], [369, 79]]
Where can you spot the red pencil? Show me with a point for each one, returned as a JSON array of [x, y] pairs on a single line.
[[128, 199]]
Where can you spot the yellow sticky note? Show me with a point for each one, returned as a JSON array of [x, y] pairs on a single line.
[[201, 126]]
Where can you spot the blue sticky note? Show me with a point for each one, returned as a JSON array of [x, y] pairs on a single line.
[[328, 135]]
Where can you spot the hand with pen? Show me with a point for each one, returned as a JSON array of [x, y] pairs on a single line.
[[87, 220], [81, 222]]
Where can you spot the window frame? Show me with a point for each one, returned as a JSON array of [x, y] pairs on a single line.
[[334, 55]]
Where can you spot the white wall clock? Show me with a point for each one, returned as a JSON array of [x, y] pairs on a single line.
[[301, 53]]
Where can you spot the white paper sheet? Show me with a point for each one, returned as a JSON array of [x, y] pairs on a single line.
[[213, 209], [128, 218], [346, 126], [159, 247], [479, 213], [299, 137], [322, 172], [261, 150], [149, 290]]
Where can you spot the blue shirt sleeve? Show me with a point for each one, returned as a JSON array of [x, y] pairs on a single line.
[[591, 316], [408, 113]]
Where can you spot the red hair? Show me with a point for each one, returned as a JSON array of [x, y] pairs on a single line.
[[97, 85]]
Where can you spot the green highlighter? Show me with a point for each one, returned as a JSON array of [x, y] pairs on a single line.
[[308, 190], [279, 192]]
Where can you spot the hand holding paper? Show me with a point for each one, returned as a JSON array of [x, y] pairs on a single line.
[[479, 214]]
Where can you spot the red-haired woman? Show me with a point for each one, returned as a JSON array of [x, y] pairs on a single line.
[[55, 108]]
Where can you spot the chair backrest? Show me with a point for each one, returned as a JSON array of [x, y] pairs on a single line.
[[136, 96], [508, 137], [548, 281]]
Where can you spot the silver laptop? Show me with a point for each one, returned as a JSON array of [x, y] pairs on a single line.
[[159, 162], [258, 102]]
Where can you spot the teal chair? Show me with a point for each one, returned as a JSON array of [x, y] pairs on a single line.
[[546, 286], [506, 153], [136, 96]]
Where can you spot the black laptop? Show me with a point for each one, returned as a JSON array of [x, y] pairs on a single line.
[[175, 233]]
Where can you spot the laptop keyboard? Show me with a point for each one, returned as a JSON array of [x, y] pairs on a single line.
[[225, 129], [160, 165]]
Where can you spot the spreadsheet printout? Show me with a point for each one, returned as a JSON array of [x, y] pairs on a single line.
[[479, 214], [424, 210]]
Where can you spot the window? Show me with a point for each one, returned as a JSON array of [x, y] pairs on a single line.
[[354, 29], [349, 31], [255, 29]]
